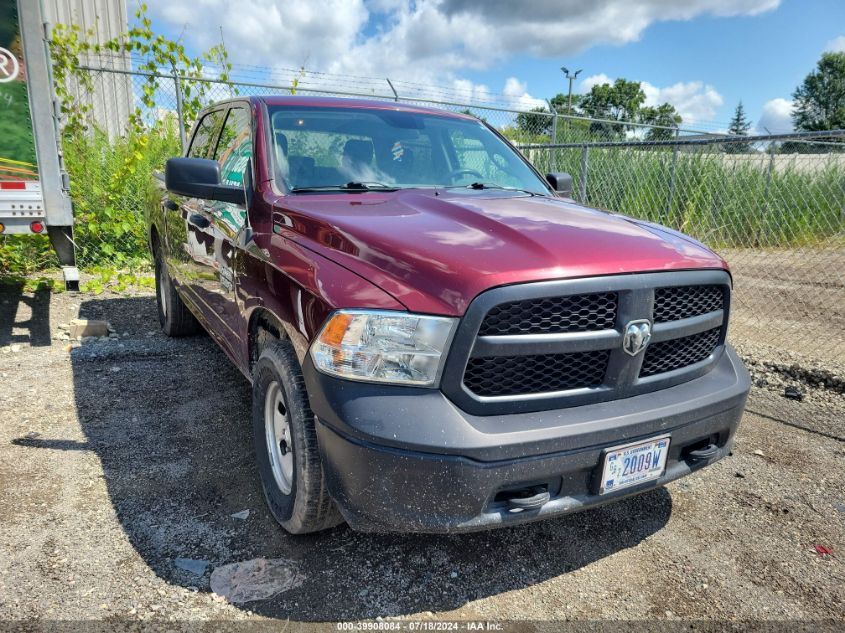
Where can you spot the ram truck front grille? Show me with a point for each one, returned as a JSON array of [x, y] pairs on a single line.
[[547, 315], [558, 344], [513, 375], [680, 352], [682, 302]]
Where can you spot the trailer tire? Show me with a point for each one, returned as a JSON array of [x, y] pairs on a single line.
[[173, 315], [286, 450]]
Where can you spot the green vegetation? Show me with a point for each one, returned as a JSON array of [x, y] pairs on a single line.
[[109, 177], [108, 201], [720, 199], [616, 104], [820, 99], [33, 283], [739, 126], [106, 278], [108, 197]]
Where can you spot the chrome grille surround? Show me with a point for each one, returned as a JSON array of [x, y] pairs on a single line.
[[511, 373]]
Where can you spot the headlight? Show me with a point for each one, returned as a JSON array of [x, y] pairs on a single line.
[[382, 346]]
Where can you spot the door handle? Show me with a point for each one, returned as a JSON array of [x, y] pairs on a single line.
[[199, 221], [170, 205]]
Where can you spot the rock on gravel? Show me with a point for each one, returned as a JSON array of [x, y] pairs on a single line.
[[256, 579]]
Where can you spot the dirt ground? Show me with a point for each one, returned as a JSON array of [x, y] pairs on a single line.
[[118, 457]]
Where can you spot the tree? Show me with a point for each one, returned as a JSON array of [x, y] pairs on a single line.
[[618, 102], [665, 116], [532, 122], [819, 102], [738, 126], [560, 103]]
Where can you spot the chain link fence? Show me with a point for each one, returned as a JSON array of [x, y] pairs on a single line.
[[773, 206]]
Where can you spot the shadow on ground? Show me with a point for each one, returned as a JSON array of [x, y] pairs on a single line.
[[169, 422], [20, 311]]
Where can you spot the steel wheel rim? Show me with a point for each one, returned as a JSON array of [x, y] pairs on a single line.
[[278, 435]]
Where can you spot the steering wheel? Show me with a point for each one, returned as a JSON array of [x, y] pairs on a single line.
[[460, 172]]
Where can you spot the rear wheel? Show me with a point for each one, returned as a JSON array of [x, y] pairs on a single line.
[[286, 444], [173, 315]]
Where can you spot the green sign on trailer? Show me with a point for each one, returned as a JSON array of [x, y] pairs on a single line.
[[17, 145]]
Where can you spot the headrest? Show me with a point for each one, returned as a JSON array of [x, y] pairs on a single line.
[[359, 151], [282, 142]]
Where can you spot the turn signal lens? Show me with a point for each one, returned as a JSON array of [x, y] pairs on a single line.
[[383, 346], [335, 329], [2, 227]]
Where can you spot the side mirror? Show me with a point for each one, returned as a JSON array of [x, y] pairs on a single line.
[[561, 182], [199, 178]]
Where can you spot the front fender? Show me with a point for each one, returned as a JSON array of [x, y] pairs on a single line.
[[299, 288]]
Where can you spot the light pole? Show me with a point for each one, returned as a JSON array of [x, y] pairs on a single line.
[[571, 77]]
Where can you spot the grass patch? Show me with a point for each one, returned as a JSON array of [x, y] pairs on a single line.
[[716, 198]]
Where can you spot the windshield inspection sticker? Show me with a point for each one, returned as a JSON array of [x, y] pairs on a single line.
[[9, 66], [398, 151]]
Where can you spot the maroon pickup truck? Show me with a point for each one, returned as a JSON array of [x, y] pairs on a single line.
[[437, 337]]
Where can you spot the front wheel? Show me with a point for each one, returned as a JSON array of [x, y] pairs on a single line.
[[286, 444]]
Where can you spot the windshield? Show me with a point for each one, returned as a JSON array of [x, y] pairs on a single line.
[[362, 149]]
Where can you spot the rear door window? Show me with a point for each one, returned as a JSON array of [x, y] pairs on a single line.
[[234, 148], [205, 134]]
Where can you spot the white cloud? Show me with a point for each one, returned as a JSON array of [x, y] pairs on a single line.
[[425, 41], [594, 80], [517, 93], [776, 117], [694, 100], [269, 32], [836, 45]]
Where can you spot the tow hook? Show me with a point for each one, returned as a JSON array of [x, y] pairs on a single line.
[[708, 452], [529, 499]]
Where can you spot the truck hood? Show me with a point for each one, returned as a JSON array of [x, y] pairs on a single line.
[[435, 251]]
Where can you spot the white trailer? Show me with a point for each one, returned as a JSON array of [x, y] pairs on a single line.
[[34, 187]]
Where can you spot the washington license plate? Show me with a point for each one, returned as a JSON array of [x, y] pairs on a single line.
[[633, 464]]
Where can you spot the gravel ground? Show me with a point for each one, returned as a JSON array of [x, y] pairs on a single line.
[[793, 299], [118, 457]]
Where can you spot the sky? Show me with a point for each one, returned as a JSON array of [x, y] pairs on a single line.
[[703, 56]]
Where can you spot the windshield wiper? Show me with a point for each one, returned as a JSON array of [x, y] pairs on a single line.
[[349, 186], [493, 185]]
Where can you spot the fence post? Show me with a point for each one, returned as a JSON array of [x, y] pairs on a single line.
[[179, 110], [769, 175], [582, 185], [672, 182], [552, 153]]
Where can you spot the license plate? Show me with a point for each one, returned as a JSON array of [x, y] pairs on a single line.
[[633, 464]]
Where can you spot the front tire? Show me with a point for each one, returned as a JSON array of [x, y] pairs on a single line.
[[286, 449], [173, 315]]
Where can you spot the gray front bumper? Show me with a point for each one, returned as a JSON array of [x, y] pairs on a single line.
[[408, 459]]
